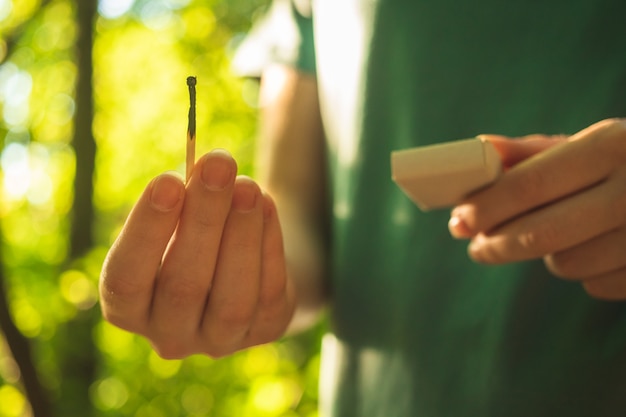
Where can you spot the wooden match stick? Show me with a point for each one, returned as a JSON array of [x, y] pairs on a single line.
[[191, 127]]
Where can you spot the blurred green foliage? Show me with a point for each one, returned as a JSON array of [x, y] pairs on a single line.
[[143, 52]]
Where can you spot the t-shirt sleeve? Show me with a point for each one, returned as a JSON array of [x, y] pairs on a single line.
[[283, 35]]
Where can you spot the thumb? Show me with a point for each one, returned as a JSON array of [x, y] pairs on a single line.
[[515, 150]]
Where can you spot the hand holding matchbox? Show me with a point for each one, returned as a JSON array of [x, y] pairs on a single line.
[[438, 176]]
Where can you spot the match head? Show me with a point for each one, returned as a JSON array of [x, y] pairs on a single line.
[[191, 81]]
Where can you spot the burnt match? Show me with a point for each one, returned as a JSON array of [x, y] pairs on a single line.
[[191, 127]]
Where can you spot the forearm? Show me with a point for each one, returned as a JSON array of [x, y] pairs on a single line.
[[291, 161]]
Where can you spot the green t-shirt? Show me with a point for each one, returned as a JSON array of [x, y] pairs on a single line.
[[419, 330]]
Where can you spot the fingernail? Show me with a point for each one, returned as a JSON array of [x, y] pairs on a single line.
[[167, 191], [245, 195], [474, 249], [218, 170], [458, 228], [268, 208]]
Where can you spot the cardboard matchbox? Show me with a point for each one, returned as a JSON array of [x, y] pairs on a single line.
[[438, 176]]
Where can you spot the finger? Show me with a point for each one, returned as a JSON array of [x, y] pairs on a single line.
[[128, 273], [597, 256], [186, 275], [548, 176], [513, 151], [610, 286], [234, 294], [572, 221], [276, 300]]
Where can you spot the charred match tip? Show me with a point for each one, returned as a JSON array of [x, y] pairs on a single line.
[[191, 81]]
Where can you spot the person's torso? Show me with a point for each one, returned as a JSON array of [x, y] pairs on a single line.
[[420, 330]]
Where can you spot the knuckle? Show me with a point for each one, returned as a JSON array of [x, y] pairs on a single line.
[[540, 241], [234, 317], [208, 223], [610, 123], [617, 206], [118, 286], [481, 254], [617, 126], [115, 299], [613, 140], [184, 293]]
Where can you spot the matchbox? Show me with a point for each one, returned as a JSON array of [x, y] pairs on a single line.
[[441, 175]]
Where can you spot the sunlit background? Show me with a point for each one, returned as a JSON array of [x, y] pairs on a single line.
[[62, 204]]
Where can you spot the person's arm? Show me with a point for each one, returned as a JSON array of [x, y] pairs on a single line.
[[292, 169], [565, 204]]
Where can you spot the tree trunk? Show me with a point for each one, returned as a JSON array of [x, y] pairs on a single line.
[[81, 239], [21, 351], [78, 364]]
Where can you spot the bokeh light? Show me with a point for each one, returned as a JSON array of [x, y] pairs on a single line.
[[112, 9]]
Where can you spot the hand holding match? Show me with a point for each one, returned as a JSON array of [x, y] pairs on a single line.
[[191, 127]]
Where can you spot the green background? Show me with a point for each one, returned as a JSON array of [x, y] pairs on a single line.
[[86, 122]]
